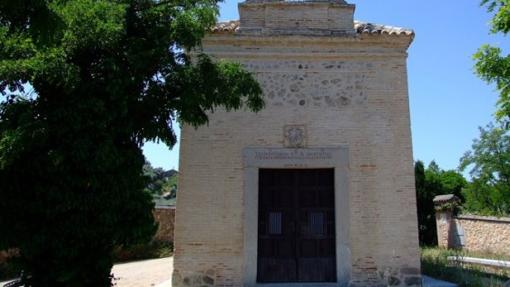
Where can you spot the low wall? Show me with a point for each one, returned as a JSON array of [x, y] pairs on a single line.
[[473, 233], [483, 233], [165, 217]]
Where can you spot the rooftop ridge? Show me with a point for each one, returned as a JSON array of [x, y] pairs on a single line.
[[360, 27], [273, 1]]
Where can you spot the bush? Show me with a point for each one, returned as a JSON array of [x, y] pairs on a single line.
[[8, 270], [153, 249], [10, 267]]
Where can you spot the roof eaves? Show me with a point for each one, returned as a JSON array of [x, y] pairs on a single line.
[[360, 27]]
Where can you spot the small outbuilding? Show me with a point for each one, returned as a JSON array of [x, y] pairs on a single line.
[[318, 188]]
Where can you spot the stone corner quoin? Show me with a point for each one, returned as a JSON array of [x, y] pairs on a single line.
[[336, 99]]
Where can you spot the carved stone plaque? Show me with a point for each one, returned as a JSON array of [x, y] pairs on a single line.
[[294, 136]]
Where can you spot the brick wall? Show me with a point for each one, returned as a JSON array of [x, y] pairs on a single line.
[[165, 217]]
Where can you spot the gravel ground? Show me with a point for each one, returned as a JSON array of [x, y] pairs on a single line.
[[145, 273]]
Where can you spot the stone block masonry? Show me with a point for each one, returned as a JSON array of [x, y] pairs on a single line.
[[344, 92]]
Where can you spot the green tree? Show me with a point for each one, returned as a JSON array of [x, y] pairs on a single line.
[[107, 76], [423, 199], [159, 179], [170, 186], [489, 164], [431, 182], [491, 65]]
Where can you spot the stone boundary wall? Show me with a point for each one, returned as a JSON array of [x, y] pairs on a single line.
[[471, 232], [165, 217], [482, 233]]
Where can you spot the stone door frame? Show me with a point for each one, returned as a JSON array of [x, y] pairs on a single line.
[[255, 158]]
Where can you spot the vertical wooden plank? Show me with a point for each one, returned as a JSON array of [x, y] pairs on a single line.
[[300, 251]]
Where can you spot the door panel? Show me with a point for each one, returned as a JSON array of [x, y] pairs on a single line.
[[296, 226], [317, 269]]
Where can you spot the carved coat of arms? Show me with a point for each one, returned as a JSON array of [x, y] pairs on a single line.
[[295, 136]]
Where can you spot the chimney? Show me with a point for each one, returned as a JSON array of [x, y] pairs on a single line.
[[309, 17]]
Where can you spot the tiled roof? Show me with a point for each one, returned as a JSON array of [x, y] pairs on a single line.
[[370, 28], [445, 198], [360, 27], [226, 27]]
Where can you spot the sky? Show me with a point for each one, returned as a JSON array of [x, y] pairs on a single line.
[[448, 101]]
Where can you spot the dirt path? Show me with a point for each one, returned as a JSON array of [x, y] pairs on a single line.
[[145, 273]]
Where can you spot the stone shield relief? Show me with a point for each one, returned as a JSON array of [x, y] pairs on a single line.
[[294, 136]]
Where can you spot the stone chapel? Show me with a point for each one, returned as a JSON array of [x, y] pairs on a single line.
[[317, 189]]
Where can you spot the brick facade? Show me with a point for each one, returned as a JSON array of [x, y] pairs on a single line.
[[348, 90]]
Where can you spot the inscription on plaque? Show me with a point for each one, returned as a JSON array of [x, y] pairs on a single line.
[[293, 155]]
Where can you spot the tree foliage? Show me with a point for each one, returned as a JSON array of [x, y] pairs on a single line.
[[160, 181], [107, 76], [430, 182], [489, 164], [491, 64]]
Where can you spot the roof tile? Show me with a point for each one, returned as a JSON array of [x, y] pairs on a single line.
[[360, 27]]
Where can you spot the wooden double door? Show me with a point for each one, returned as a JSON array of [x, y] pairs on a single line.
[[296, 230]]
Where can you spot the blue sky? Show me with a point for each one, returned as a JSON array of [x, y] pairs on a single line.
[[448, 101]]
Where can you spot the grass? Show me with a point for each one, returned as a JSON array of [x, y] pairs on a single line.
[[435, 264]]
